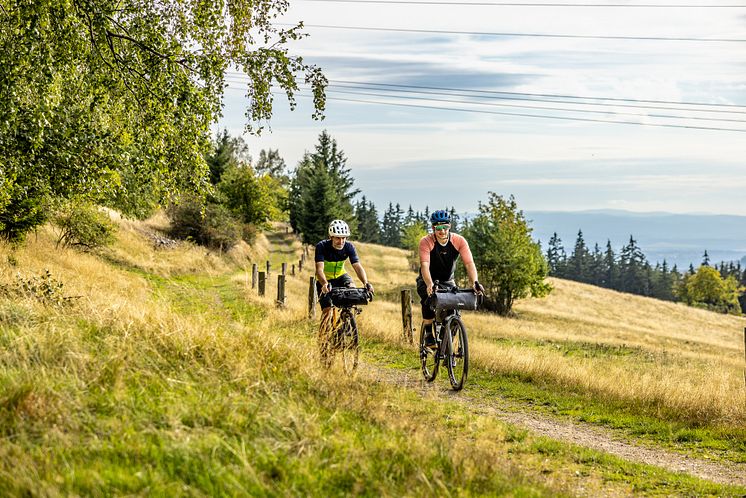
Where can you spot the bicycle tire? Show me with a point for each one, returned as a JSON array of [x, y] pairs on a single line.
[[327, 330], [428, 358], [458, 353], [349, 344]]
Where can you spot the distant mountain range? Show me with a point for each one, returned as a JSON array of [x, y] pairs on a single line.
[[680, 239]]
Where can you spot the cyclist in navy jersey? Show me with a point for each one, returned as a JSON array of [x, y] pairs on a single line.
[[439, 252], [330, 258]]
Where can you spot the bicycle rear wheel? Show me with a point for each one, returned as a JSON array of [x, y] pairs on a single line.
[[458, 354], [428, 358], [327, 331], [349, 342]]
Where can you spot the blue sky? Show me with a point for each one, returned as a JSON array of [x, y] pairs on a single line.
[[421, 156]]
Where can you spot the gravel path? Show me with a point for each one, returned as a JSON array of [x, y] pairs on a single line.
[[584, 435]]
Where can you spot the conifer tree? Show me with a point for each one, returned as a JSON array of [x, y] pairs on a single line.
[[578, 262], [556, 257], [327, 197]]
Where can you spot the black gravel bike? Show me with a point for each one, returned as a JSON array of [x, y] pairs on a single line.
[[340, 333], [452, 344]]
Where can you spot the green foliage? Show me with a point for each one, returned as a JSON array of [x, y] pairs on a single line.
[[368, 226], [211, 225], [707, 289], [84, 226], [391, 227], [43, 288], [226, 153], [320, 191], [112, 101], [509, 262], [410, 240]]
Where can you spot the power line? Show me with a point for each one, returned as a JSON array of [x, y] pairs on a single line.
[[516, 114], [547, 4], [532, 97], [355, 91], [543, 108], [535, 35]]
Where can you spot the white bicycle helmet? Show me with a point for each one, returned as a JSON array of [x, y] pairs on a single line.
[[339, 228]]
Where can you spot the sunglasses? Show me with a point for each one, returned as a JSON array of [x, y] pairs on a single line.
[[441, 227]]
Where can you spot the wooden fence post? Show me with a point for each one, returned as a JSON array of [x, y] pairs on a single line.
[[300, 265], [254, 275], [284, 268], [406, 315], [268, 268], [312, 298], [262, 283], [281, 291], [292, 270]]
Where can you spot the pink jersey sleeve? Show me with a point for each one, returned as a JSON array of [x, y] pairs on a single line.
[[462, 246], [426, 245]]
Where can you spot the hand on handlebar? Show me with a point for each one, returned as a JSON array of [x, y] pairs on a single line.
[[327, 287], [369, 288], [478, 288]]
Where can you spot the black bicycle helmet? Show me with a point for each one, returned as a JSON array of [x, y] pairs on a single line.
[[440, 216]]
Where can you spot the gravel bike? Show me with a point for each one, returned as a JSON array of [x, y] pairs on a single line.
[[451, 341], [339, 334]]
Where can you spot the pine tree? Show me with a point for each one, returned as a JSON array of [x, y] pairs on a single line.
[[556, 257], [329, 164], [392, 226], [368, 226], [578, 262], [596, 266], [610, 269]]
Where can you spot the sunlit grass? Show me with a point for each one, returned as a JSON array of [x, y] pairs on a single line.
[[167, 374]]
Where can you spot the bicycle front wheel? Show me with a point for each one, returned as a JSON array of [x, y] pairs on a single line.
[[428, 358], [458, 354], [349, 343]]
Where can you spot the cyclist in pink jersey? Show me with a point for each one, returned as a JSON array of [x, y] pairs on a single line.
[[439, 252]]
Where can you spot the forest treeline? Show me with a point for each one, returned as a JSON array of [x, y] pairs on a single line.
[[243, 194]]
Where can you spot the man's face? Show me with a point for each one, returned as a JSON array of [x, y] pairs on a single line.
[[441, 231], [338, 242]]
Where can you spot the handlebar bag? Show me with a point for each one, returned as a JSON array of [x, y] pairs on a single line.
[[452, 300], [342, 297]]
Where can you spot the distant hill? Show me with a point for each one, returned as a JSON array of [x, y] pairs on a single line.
[[678, 238]]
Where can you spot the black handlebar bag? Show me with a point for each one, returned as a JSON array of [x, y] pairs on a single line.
[[343, 297], [454, 300]]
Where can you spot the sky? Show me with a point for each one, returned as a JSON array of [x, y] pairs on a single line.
[[426, 152]]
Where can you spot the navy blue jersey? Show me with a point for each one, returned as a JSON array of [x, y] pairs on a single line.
[[333, 259]]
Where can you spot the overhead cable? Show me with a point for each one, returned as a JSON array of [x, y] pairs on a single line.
[[539, 35], [535, 4]]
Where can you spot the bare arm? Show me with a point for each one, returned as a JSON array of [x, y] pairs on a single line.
[[321, 278], [425, 271], [471, 272], [360, 271]]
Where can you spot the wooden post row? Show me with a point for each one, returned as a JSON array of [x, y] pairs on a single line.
[[406, 315], [281, 291], [262, 283], [312, 299], [254, 275]]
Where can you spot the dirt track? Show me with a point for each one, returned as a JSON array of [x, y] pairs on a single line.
[[580, 434]]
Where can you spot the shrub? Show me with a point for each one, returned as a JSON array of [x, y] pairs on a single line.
[[45, 288], [210, 225], [84, 227]]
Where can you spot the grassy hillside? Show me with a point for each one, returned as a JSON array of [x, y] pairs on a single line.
[[160, 372]]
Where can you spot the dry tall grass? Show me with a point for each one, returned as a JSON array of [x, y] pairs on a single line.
[[617, 346]]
